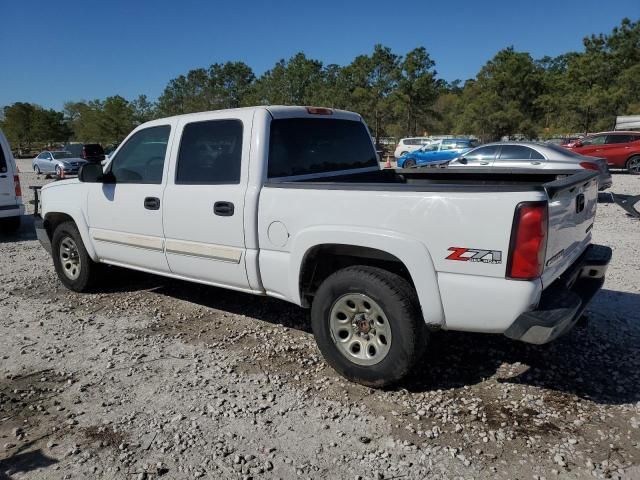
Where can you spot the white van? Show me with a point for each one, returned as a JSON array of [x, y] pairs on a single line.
[[406, 145], [11, 207]]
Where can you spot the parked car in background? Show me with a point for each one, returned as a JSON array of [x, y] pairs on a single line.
[[60, 163], [561, 140], [620, 149], [11, 207], [544, 156], [406, 145], [443, 150], [92, 152]]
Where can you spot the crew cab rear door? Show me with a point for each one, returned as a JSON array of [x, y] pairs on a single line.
[[205, 198], [571, 213]]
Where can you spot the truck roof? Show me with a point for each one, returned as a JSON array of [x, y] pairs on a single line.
[[277, 111]]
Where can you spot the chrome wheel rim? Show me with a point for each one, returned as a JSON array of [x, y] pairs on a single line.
[[634, 165], [70, 258], [360, 329]]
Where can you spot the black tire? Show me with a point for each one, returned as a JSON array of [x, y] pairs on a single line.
[[399, 303], [10, 224], [58, 173], [632, 165], [37, 170], [409, 163], [88, 269]]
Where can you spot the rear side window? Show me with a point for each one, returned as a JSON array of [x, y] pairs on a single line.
[[210, 153], [3, 161], [141, 159], [300, 146], [518, 152], [619, 138]]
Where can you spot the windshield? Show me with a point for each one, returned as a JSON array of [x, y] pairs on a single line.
[[62, 155], [301, 146]]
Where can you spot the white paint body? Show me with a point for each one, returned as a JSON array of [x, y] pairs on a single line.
[[262, 247], [10, 204]]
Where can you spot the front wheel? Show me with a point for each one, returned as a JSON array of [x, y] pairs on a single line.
[[59, 173], [37, 170], [73, 265], [633, 165], [410, 163], [368, 326]]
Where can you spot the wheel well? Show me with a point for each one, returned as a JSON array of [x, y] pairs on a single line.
[[323, 260], [626, 162], [52, 220]]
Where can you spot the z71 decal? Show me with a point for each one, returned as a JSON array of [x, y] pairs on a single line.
[[462, 254]]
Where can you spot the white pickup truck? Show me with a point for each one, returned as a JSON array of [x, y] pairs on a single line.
[[290, 202]]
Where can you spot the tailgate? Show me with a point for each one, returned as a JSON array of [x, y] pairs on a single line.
[[572, 208]]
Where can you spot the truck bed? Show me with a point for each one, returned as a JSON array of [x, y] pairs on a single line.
[[441, 179]]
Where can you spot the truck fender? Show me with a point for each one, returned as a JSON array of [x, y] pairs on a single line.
[[62, 207], [410, 251]]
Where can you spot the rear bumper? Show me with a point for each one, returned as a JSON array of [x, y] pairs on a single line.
[[564, 301], [41, 233], [11, 211]]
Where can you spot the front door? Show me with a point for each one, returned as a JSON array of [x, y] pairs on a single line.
[[204, 200], [125, 216]]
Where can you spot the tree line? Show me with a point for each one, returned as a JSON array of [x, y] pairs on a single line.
[[398, 95]]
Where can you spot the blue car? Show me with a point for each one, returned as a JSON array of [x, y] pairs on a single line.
[[447, 149]]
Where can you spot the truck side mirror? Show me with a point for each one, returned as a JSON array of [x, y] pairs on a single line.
[[91, 173]]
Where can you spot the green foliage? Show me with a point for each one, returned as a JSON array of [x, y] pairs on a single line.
[[24, 124], [398, 95]]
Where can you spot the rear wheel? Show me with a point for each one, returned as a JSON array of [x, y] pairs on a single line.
[[368, 325], [633, 165], [73, 265]]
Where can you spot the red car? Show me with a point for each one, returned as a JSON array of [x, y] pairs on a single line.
[[621, 149]]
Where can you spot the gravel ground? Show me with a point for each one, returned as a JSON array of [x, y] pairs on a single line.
[[154, 377]]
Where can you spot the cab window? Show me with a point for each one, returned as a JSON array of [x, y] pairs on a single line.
[[141, 159], [210, 153]]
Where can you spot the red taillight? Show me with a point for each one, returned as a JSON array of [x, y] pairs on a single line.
[[319, 111], [590, 166], [528, 241], [16, 185]]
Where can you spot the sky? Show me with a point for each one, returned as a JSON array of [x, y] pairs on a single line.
[[52, 52]]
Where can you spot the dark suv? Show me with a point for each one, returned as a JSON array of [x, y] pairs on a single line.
[[92, 152]]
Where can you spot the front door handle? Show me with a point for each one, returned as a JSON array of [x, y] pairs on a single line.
[[223, 209], [3, 176], [152, 203], [484, 163], [535, 163]]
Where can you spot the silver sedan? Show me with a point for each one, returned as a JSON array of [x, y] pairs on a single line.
[[529, 155], [60, 163]]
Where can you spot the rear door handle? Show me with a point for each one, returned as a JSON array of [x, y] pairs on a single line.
[[484, 163], [223, 209], [535, 163], [152, 203], [3, 176]]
